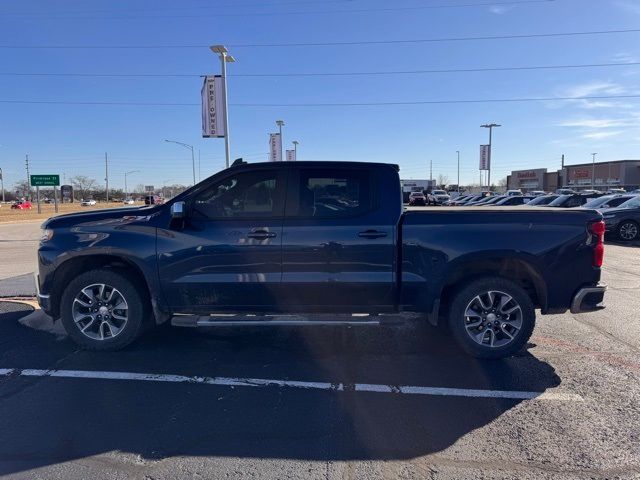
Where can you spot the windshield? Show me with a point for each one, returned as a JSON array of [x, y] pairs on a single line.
[[558, 202], [633, 203], [439, 192], [543, 200], [596, 202]]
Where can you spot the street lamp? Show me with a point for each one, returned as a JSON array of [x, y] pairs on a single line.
[[224, 59], [2, 184], [490, 127], [593, 171], [295, 149], [126, 190], [280, 123], [193, 159]]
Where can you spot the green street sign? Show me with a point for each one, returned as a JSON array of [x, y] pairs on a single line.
[[45, 180]]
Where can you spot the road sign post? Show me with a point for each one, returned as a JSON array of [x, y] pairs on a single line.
[[45, 181]]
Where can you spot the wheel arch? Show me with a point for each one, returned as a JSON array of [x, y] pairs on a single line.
[[514, 268], [83, 263]]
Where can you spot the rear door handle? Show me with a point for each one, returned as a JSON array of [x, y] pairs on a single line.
[[372, 234], [261, 234]]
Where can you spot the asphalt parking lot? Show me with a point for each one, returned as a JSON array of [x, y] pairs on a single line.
[[322, 402]]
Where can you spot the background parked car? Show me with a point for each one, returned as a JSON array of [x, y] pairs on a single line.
[[464, 201], [542, 200], [128, 201], [417, 198], [607, 201], [87, 203], [513, 192], [573, 200], [21, 205], [459, 199], [438, 197], [538, 193], [565, 191], [624, 221], [486, 201], [512, 200]]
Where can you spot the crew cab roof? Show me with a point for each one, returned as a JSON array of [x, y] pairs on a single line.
[[318, 164]]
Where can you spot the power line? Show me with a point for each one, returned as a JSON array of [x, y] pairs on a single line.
[[53, 16], [329, 44], [328, 104], [319, 74]]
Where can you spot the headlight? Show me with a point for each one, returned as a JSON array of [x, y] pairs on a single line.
[[46, 235]]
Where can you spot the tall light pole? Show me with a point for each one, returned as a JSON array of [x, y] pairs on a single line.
[[280, 123], [458, 152], [193, 158], [2, 184], [225, 58], [164, 185], [126, 190], [490, 127], [295, 149], [593, 171]]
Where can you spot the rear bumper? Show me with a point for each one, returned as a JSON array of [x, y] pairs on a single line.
[[587, 299]]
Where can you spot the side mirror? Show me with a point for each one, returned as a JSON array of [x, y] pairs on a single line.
[[177, 210]]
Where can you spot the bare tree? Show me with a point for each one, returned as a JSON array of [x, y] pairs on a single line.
[[22, 189], [443, 180], [83, 184], [502, 183]]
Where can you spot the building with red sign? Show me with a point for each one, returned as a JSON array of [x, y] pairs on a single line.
[[614, 174]]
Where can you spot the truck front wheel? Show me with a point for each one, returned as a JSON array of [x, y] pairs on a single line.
[[491, 317], [103, 310]]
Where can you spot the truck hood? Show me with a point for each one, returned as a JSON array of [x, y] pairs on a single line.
[[97, 217]]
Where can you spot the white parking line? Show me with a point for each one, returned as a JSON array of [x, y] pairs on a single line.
[[550, 394]]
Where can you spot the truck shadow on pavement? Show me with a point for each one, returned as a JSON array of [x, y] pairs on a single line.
[[47, 421]]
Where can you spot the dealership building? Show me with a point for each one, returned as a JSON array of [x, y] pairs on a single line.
[[614, 174]]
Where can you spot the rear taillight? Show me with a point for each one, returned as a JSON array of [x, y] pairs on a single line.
[[597, 229]]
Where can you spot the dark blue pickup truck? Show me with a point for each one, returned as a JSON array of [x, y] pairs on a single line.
[[316, 237]]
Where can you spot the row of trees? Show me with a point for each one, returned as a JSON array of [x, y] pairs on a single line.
[[86, 187]]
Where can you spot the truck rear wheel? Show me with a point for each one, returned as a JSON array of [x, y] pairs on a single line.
[[103, 310], [492, 317]]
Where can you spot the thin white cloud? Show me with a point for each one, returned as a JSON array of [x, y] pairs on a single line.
[[595, 123], [601, 135], [629, 6], [500, 9]]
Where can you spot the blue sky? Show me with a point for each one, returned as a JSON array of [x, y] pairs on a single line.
[[72, 139]]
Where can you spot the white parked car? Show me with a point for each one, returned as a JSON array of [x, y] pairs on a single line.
[[128, 201], [538, 193], [87, 203], [438, 197], [511, 193]]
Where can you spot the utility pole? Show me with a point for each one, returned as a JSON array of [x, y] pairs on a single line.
[[430, 173], [106, 173], [562, 170], [490, 126], [458, 152], [295, 149], [2, 184], [280, 123], [199, 169], [26, 162], [593, 171]]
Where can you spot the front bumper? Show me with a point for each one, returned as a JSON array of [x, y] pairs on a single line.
[[43, 300], [587, 299]]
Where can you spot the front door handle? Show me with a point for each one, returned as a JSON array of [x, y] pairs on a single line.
[[261, 234], [372, 234]]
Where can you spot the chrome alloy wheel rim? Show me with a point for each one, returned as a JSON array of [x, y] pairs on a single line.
[[100, 311], [628, 231], [493, 319]]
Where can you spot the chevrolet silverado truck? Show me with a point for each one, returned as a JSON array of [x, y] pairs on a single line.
[[317, 238]]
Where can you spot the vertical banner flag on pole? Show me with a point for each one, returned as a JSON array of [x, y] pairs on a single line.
[[485, 157], [275, 150], [212, 107], [291, 155]]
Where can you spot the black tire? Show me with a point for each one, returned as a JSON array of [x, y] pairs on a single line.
[[628, 231], [462, 327], [137, 311]]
